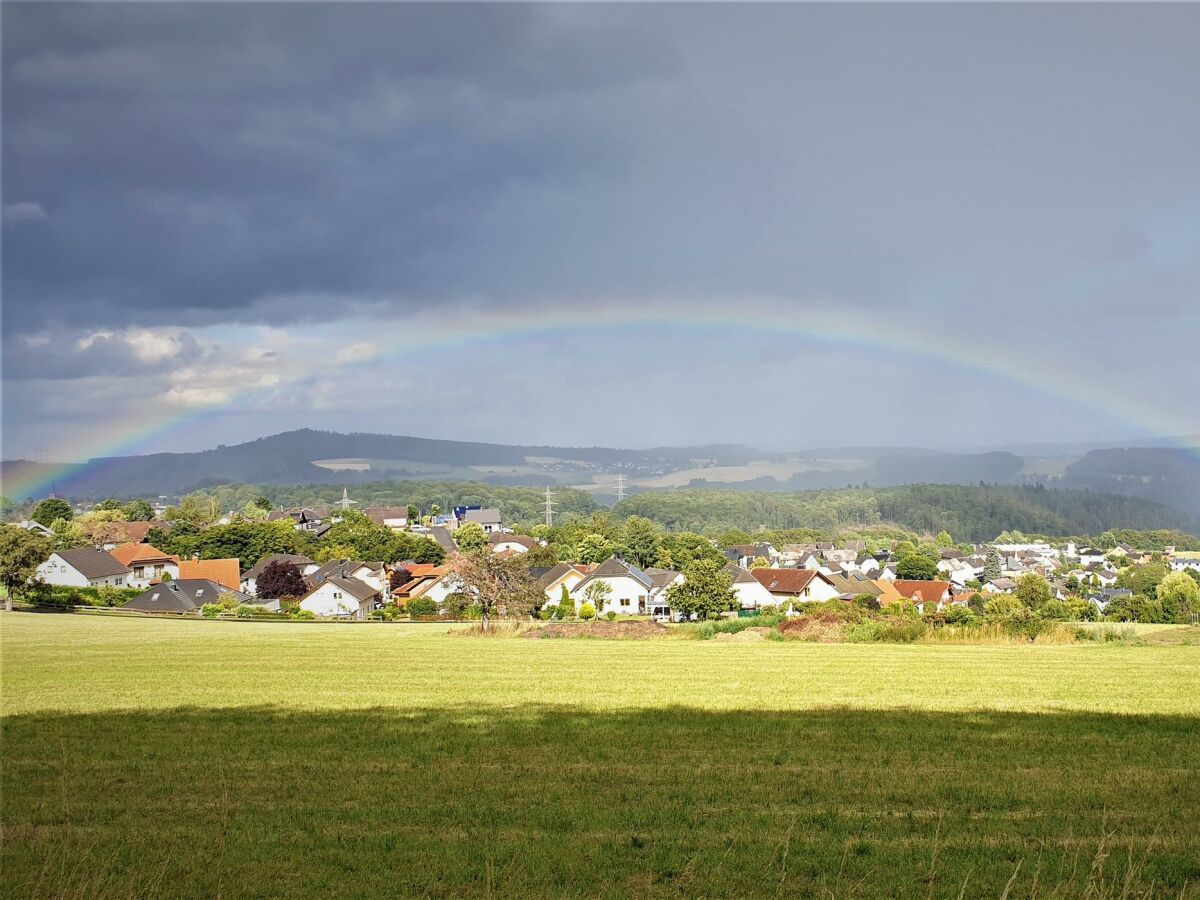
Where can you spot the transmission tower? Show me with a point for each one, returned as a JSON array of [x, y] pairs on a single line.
[[620, 487], [549, 507], [345, 503]]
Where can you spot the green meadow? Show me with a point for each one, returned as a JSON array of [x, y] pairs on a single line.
[[247, 759]]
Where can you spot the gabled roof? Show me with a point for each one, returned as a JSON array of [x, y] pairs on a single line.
[[137, 531], [223, 571], [356, 588], [615, 567], [378, 514], [928, 590], [259, 567], [93, 563], [488, 516], [552, 575], [335, 568], [180, 596], [662, 578], [740, 575], [786, 581], [128, 554], [852, 585]]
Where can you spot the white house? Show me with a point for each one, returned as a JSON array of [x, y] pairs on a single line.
[[750, 591], [801, 585], [629, 587], [147, 564], [553, 580], [392, 517], [83, 568], [510, 543], [1185, 559], [337, 597], [489, 518]]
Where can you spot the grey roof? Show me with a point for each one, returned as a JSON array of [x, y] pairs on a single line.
[[663, 577], [355, 587], [91, 563], [616, 567], [442, 536], [740, 575], [339, 568], [546, 577], [489, 516], [181, 596], [259, 567]]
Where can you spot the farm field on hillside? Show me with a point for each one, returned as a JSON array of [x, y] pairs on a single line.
[[198, 758]]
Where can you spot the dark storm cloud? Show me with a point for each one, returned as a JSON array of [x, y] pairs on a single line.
[[1022, 176]]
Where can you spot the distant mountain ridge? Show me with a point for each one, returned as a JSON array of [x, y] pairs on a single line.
[[307, 456]]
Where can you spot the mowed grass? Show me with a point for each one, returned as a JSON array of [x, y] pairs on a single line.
[[194, 758]]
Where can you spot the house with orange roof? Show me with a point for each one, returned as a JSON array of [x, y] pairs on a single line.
[[225, 572], [925, 595], [147, 564]]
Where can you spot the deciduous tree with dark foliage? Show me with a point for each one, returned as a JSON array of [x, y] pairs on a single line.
[[21, 552], [281, 580]]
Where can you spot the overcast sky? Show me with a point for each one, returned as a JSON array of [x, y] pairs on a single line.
[[241, 219]]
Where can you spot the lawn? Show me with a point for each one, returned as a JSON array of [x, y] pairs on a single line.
[[196, 758]]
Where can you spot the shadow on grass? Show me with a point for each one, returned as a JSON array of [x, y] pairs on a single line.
[[554, 801]]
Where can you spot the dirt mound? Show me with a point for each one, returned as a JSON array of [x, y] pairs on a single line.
[[822, 629], [746, 636], [612, 631]]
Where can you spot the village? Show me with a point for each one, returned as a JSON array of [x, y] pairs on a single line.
[[756, 577]]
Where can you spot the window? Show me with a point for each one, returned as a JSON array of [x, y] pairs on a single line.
[[337, 595], [138, 572]]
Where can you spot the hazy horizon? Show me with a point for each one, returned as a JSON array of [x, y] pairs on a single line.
[[958, 227]]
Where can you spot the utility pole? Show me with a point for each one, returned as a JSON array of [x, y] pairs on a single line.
[[549, 507], [345, 503], [620, 487]]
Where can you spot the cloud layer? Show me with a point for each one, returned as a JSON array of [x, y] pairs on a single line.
[[204, 201]]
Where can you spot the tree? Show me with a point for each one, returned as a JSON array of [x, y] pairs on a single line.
[[595, 548], [21, 552], [917, 566], [1145, 579], [943, 541], [541, 557], [992, 569], [760, 562], [400, 575], [281, 580], [641, 539], [50, 509], [706, 589], [1033, 590], [1180, 597], [687, 547], [138, 511], [597, 593], [501, 586], [470, 537], [109, 505], [192, 510]]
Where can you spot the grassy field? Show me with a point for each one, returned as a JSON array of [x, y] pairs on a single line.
[[194, 758]]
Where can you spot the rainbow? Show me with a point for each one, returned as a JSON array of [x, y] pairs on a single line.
[[835, 328]]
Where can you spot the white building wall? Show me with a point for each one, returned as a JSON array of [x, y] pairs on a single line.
[[329, 600]]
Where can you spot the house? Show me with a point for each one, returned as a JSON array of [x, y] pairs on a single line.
[[629, 587], [250, 576], [487, 518], [138, 531], [866, 563], [223, 571], [803, 585], [83, 568], [184, 596], [1000, 586], [958, 570], [305, 518], [373, 573], [37, 527], [147, 564], [393, 517], [511, 543], [433, 582], [743, 555], [1182, 560], [338, 597], [750, 591], [659, 606], [554, 579], [922, 593]]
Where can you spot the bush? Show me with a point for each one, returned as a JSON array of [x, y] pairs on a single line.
[[421, 608], [304, 615], [960, 615], [611, 615], [473, 612], [587, 612], [902, 632], [249, 611], [211, 610], [863, 632]]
